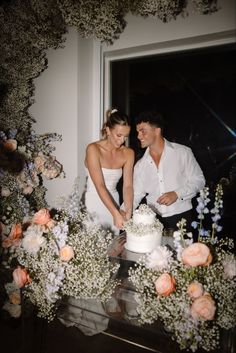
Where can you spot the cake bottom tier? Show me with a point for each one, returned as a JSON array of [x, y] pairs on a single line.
[[142, 244]]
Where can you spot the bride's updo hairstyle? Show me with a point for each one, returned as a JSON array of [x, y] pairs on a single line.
[[114, 117]]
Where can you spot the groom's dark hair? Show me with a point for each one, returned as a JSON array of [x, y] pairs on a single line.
[[151, 117]]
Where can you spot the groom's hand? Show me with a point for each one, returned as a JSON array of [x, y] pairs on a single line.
[[167, 198]]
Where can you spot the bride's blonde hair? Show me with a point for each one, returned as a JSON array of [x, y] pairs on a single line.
[[114, 117]]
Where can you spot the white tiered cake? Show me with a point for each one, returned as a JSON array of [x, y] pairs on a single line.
[[143, 231]]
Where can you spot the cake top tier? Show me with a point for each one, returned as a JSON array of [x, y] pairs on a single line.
[[144, 209], [143, 222], [144, 215]]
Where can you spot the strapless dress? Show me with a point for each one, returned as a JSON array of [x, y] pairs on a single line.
[[94, 205]]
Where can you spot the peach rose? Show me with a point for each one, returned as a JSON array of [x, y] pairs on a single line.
[[14, 297], [27, 190], [16, 231], [165, 284], [21, 277], [195, 290], [203, 308], [52, 168], [66, 253], [196, 254], [51, 224], [14, 236], [10, 145], [42, 217], [39, 162]]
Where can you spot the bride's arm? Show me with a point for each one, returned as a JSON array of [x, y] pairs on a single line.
[[128, 183], [95, 171]]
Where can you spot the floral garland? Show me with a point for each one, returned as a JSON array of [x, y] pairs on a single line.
[[164, 10], [22, 193], [103, 20], [193, 294]]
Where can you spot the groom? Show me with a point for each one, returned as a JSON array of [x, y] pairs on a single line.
[[167, 174]]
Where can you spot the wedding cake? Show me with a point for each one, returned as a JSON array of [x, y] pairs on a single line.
[[143, 231]]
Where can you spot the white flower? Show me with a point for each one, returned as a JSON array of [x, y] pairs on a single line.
[[5, 192], [60, 232], [33, 239], [13, 309], [177, 235], [159, 259], [11, 287], [229, 268]]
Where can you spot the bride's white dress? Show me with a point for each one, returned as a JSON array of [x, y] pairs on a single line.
[[94, 204], [89, 315]]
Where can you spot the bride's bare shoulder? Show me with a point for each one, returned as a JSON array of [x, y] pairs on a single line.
[[94, 146], [128, 151]]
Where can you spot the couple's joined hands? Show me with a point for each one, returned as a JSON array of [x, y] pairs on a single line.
[[121, 217]]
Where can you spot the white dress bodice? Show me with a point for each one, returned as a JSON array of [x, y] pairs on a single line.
[[94, 204]]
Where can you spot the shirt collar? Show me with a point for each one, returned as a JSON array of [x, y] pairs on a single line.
[[167, 146]]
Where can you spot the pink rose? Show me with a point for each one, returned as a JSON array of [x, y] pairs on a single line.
[[14, 297], [195, 290], [165, 284], [14, 237], [196, 254], [10, 145], [42, 217], [20, 277], [203, 308], [66, 253]]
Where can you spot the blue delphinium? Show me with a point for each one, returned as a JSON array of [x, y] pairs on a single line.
[[203, 210]]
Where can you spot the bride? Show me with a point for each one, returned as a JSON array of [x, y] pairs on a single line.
[[107, 160]]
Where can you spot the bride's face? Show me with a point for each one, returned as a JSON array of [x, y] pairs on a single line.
[[117, 135]]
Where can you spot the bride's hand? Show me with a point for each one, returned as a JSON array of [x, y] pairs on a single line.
[[118, 220]]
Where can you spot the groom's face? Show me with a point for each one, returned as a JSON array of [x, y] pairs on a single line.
[[147, 134]]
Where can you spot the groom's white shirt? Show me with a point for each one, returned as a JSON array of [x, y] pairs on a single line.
[[178, 171]]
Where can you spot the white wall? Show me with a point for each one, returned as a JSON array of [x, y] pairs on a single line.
[[67, 101], [70, 94], [89, 81], [56, 110]]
